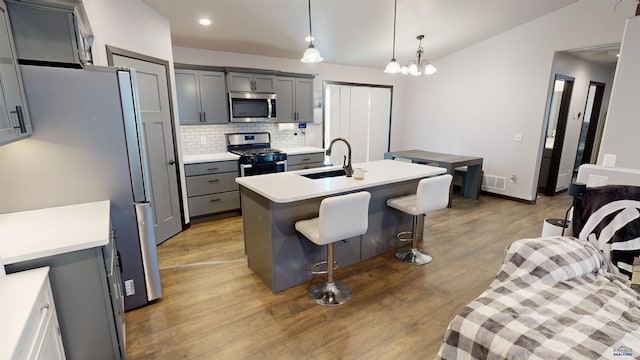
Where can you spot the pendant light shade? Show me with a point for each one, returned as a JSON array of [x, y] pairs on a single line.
[[393, 67], [311, 55]]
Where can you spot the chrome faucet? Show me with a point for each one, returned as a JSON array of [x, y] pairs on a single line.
[[347, 162]]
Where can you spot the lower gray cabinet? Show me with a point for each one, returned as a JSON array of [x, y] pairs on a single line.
[[87, 292], [211, 187], [305, 161]]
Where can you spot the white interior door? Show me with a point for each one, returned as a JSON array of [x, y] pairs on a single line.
[[361, 114], [153, 92], [379, 122]]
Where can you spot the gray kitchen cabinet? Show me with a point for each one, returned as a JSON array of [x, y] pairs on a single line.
[[294, 99], [202, 97], [14, 116], [50, 32], [87, 292], [251, 82], [305, 161], [211, 187]]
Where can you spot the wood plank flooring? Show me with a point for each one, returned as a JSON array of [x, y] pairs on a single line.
[[214, 307]]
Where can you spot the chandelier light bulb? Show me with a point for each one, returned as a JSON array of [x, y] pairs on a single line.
[[429, 69]]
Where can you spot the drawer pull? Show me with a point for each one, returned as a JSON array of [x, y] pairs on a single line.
[[212, 169], [214, 200], [214, 180], [44, 307], [306, 159]]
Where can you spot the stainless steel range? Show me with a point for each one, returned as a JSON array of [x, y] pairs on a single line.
[[256, 155]]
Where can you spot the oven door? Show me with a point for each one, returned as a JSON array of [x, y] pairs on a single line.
[[263, 168]]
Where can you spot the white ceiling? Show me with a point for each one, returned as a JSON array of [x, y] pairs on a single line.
[[350, 32]]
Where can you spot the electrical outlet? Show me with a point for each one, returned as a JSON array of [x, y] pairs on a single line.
[[517, 137], [129, 289], [203, 140]]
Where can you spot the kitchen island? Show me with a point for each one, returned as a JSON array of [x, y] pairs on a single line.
[[272, 203]]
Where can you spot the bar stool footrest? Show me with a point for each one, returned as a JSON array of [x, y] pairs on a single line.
[[320, 268], [405, 236]]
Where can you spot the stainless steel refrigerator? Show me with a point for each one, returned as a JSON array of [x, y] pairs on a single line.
[[88, 145]]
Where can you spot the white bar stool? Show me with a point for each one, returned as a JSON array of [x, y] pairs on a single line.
[[341, 217], [432, 194]]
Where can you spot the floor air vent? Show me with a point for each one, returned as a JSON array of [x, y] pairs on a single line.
[[492, 182]]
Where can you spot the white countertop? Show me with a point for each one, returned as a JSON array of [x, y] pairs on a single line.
[[290, 186], [34, 234], [226, 156], [200, 158], [302, 150], [18, 295]]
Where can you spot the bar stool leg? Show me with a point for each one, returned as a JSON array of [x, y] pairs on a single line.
[[329, 292], [413, 255]]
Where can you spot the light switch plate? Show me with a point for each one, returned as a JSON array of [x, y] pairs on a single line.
[[517, 137]]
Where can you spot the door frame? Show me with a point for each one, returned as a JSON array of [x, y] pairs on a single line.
[[326, 83], [594, 121], [561, 129], [111, 52]]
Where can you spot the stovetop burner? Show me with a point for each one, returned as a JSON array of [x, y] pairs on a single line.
[[254, 148]]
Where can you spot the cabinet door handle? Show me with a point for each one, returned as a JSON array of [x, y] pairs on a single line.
[[200, 116], [214, 200], [172, 162], [212, 169], [21, 124], [204, 116], [214, 180]]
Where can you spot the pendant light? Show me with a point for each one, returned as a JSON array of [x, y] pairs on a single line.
[[311, 55], [393, 67]]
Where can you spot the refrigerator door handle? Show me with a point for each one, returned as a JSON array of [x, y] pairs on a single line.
[[149, 251]]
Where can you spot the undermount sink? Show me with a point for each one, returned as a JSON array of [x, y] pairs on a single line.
[[325, 174]]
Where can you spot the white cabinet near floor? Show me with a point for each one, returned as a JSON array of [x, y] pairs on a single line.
[[28, 319]]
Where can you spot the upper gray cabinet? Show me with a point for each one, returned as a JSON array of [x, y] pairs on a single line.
[[250, 82], [202, 97], [294, 99], [14, 117], [49, 32]]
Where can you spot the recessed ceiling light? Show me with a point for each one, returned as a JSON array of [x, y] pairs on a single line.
[[309, 38], [205, 22]]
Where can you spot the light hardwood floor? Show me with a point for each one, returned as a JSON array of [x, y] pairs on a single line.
[[214, 307]]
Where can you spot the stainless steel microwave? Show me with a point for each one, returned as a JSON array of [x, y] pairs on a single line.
[[250, 107]]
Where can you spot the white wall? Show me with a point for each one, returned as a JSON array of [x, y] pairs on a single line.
[[623, 121], [134, 26], [583, 72], [323, 71], [484, 94]]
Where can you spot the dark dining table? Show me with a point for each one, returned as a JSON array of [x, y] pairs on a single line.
[[470, 166]]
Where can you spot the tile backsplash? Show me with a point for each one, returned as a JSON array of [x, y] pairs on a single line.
[[205, 139]]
